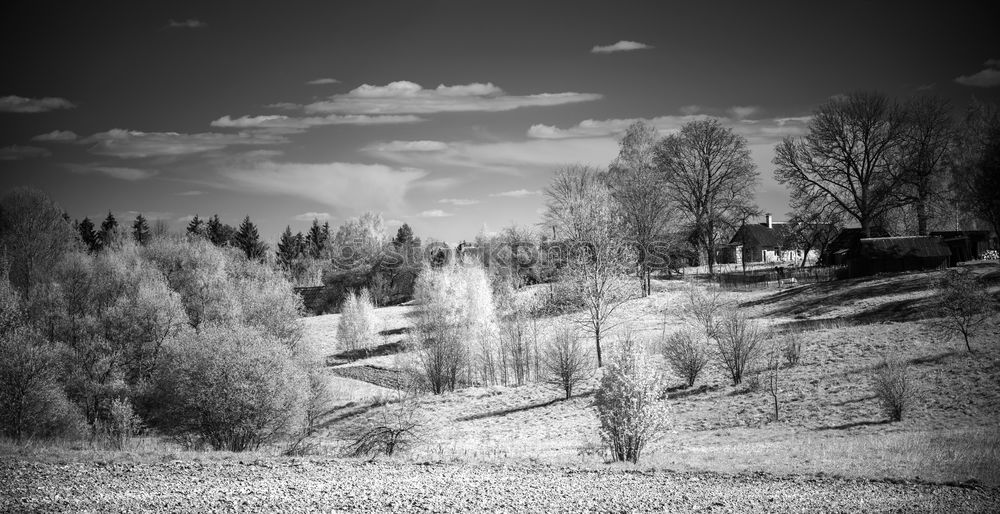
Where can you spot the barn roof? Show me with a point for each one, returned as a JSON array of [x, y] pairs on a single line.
[[756, 236], [900, 247]]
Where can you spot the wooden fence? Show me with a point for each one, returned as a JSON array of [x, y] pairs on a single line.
[[761, 278]]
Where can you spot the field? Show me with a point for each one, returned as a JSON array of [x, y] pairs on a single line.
[[830, 439]]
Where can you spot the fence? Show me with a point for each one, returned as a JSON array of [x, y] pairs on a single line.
[[761, 278]]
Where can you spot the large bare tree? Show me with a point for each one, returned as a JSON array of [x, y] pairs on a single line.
[[638, 188], [34, 234], [976, 164], [926, 144], [848, 158], [710, 177]]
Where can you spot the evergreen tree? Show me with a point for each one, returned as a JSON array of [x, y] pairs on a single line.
[[288, 248], [404, 236], [248, 240], [140, 230], [300, 244], [107, 234], [215, 231], [316, 238], [196, 227], [88, 236]]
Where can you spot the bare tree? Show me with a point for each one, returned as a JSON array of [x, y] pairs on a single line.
[[965, 304], [686, 353], [638, 188], [927, 139], [710, 175], [566, 362], [34, 234], [976, 170], [739, 341], [577, 204], [847, 159], [814, 225], [772, 376]]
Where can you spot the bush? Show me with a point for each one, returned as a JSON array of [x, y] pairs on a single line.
[[686, 354], [567, 361], [121, 427], [627, 403], [892, 388], [965, 304], [792, 350], [738, 342], [230, 387], [395, 427], [357, 321]]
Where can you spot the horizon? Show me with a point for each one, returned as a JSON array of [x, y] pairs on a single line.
[[450, 117]]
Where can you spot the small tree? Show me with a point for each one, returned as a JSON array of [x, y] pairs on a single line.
[[738, 342], [140, 230], [395, 427], [892, 388], [566, 361], [196, 227], [627, 403], [357, 321], [771, 376], [88, 235], [685, 353], [248, 240], [965, 304]]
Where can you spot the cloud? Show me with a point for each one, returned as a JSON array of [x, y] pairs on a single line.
[[135, 144], [404, 97], [742, 112], [309, 216], [458, 201], [517, 193], [191, 193], [988, 77], [293, 124], [690, 110], [56, 136], [116, 172], [408, 146], [323, 81], [187, 24], [14, 103], [345, 185], [18, 153], [621, 46], [433, 213]]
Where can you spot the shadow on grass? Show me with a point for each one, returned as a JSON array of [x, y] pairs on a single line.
[[364, 353], [343, 413], [674, 393], [512, 410], [854, 424], [854, 400], [932, 359]]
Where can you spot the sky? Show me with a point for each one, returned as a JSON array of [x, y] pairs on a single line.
[[449, 116]]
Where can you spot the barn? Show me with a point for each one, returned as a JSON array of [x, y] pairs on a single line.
[[894, 254]]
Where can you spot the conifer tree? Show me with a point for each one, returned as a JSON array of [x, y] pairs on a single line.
[[248, 240], [215, 231], [196, 227], [88, 236], [288, 248], [404, 236], [140, 230], [316, 238], [107, 234]]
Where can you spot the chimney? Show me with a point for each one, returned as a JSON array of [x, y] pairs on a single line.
[[767, 217]]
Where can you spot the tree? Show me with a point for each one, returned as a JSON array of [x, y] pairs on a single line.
[[360, 241], [577, 204], [316, 239], [814, 226], [107, 234], [965, 304], [196, 227], [638, 186], [88, 236], [739, 341], [289, 247], [628, 405], [220, 234], [404, 236], [685, 352], [248, 240], [140, 230], [566, 362], [926, 143], [710, 176], [33, 236], [357, 327], [977, 164], [847, 159]]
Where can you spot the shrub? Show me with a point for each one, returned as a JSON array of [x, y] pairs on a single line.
[[357, 321], [686, 354], [230, 387], [892, 388], [738, 342], [965, 304], [567, 361], [319, 397], [395, 427], [122, 425], [627, 403], [792, 350], [705, 307]]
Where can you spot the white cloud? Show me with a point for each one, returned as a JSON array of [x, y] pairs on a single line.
[[187, 24], [621, 46], [741, 112], [322, 81], [14, 103], [517, 193], [56, 136], [117, 172], [434, 213], [135, 144], [408, 146], [458, 201], [292, 123], [18, 152], [988, 77], [309, 216], [191, 193], [344, 185], [404, 97]]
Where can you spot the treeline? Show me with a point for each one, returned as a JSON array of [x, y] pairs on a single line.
[[171, 333]]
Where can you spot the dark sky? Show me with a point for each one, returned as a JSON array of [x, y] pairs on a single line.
[[444, 115]]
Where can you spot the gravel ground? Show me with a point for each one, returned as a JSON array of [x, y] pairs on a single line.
[[342, 485]]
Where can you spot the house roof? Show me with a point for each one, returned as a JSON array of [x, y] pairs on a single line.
[[900, 247], [756, 236]]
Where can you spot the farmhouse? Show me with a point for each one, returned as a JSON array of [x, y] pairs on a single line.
[[764, 242]]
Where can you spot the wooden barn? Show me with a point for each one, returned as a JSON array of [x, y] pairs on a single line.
[[965, 245], [846, 244], [894, 254]]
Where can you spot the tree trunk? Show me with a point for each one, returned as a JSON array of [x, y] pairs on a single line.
[[597, 340], [922, 216]]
